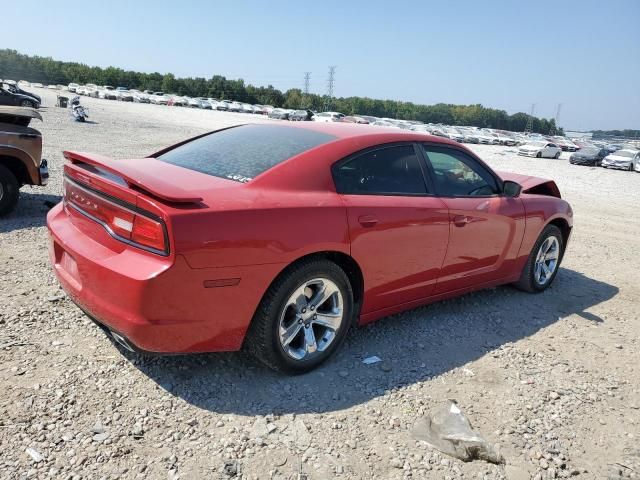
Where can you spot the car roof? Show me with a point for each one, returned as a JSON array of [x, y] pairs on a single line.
[[354, 130]]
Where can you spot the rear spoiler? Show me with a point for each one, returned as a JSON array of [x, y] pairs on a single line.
[[136, 173]]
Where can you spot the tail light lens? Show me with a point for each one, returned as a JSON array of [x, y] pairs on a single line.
[[122, 221]]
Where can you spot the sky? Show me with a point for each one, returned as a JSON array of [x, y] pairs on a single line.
[[583, 54]]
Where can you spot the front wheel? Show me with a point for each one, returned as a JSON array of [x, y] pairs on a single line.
[[539, 155], [26, 103], [557, 155], [543, 262], [303, 318]]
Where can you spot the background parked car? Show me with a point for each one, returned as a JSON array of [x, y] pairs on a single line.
[[625, 159], [540, 149], [588, 156], [108, 92], [279, 114], [20, 155], [11, 95], [328, 117], [301, 115]]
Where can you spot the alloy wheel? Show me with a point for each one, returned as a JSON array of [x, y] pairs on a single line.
[[546, 260], [310, 319]]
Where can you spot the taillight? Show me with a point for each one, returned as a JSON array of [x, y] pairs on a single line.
[[123, 222]]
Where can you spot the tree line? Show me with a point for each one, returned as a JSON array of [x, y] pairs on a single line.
[[603, 134], [17, 66]]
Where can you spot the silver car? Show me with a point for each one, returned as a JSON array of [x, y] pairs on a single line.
[[625, 159]]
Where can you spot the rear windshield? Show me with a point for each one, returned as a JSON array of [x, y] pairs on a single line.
[[242, 153]]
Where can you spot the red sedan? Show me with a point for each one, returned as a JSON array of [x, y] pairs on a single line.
[[279, 238]]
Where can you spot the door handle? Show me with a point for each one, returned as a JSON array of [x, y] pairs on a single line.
[[461, 220], [367, 221]]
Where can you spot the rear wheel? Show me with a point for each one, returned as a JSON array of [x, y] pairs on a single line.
[[9, 190], [557, 155], [303, 318], [543, 262]]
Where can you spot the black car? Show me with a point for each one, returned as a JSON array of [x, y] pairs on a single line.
[[301, 116], [588, 156], [13, 96]]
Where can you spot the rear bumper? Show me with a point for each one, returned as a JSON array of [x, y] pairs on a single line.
[[160, 304]]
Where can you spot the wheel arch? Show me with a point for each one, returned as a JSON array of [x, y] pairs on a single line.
[[344, 261], [565, 229], [17, 167]]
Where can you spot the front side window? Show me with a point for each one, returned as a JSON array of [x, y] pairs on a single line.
[[458, 175], [385, 171]]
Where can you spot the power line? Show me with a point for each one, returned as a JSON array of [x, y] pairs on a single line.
[[555, 127], [529, 127], [305, 97], [331, 82], [307, 79]]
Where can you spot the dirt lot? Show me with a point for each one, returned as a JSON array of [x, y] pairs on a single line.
[[552, 378]]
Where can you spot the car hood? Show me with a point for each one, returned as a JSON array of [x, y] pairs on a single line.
[[618, 158], [533, 185]]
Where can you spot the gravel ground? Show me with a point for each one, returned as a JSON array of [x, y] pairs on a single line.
[[553, 379]]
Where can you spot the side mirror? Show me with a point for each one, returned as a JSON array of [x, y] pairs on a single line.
[[511, 189]]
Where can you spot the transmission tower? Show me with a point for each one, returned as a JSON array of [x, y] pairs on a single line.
[[305, 98], [331, 82], [553, 130], [529, 127]]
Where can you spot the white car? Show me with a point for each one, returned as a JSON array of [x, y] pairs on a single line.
[[37, 85], [73, 87], [159, 98], [540, 149], [108, 92], [626, 159], [140, 97], [453, 134], [328, 117], [246, 108]]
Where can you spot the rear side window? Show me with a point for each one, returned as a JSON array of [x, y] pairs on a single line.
[[242, 153], [385, 171]]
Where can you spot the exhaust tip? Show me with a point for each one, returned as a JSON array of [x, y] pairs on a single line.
[[122, 341]]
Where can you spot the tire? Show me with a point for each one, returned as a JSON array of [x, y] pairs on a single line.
[[9, 190], [26, 103], [528, 279], [631, 166], [539, 155], [276, 313], [557, 155]]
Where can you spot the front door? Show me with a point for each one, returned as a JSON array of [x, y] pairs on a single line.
[[486, 228], [398, 229]]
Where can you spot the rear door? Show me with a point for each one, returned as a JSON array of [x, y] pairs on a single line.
[[486, 228], [398, 229]]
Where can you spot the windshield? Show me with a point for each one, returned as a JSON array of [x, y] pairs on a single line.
[[625, 153], [242, 153], [589, 151]]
